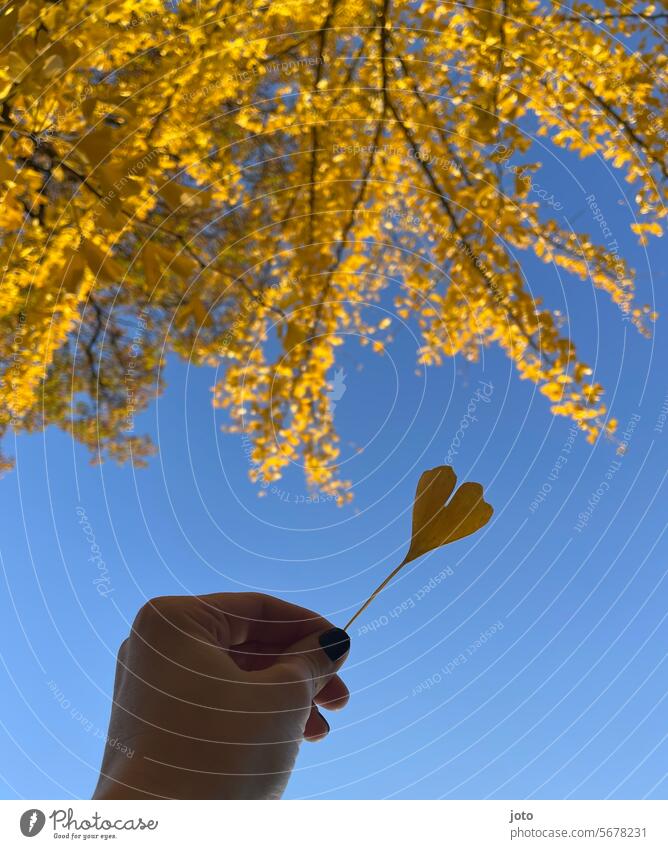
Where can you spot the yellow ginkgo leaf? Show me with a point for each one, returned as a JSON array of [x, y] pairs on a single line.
[[436, 523], [101, 263], [437, 520], [96, 145], [152, 270]]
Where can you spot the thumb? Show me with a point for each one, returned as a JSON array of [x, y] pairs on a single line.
[[314, 660]]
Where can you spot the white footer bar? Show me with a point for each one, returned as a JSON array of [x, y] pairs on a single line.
[[337, 824]]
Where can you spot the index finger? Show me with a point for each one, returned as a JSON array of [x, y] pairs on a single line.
[[244, 617]]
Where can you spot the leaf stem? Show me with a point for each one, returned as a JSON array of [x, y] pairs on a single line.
[[373, 595]]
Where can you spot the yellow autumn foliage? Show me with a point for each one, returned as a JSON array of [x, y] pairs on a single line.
[[214, 178]]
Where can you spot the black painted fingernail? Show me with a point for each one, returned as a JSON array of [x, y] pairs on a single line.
[[335, 643]]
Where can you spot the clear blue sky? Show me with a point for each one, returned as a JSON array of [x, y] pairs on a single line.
[[534, 665]]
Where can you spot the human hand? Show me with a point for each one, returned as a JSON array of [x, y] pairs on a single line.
[[214, 695]]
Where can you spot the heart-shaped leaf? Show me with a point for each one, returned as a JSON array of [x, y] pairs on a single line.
[[437, 520]]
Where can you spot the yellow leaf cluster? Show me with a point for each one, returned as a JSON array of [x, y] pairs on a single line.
[[246, 184]]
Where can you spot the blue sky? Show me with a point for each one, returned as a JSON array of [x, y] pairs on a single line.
[[527, 661]]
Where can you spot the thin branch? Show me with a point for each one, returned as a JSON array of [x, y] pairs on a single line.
[[611, 16], [441, 133], [351, 71], [187, 247], [622, 122], [496, 297], [359, 199], [313, 168], [322, 41], [158, 118]]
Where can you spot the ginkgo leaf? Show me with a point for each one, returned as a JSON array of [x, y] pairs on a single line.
[[438, 521], [96, 146], [102, 264], [200, 312], [72, 271], [151, 265], [294, 336]]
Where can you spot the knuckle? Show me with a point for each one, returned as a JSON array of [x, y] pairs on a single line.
[[295, 680], [261, 598], [293, 701], [297, 693], [155, 612], [310, 670]]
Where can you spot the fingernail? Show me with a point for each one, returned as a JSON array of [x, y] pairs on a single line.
[[329, 727], [335, 643]]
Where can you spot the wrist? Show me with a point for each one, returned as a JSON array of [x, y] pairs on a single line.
[[145, 778]]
